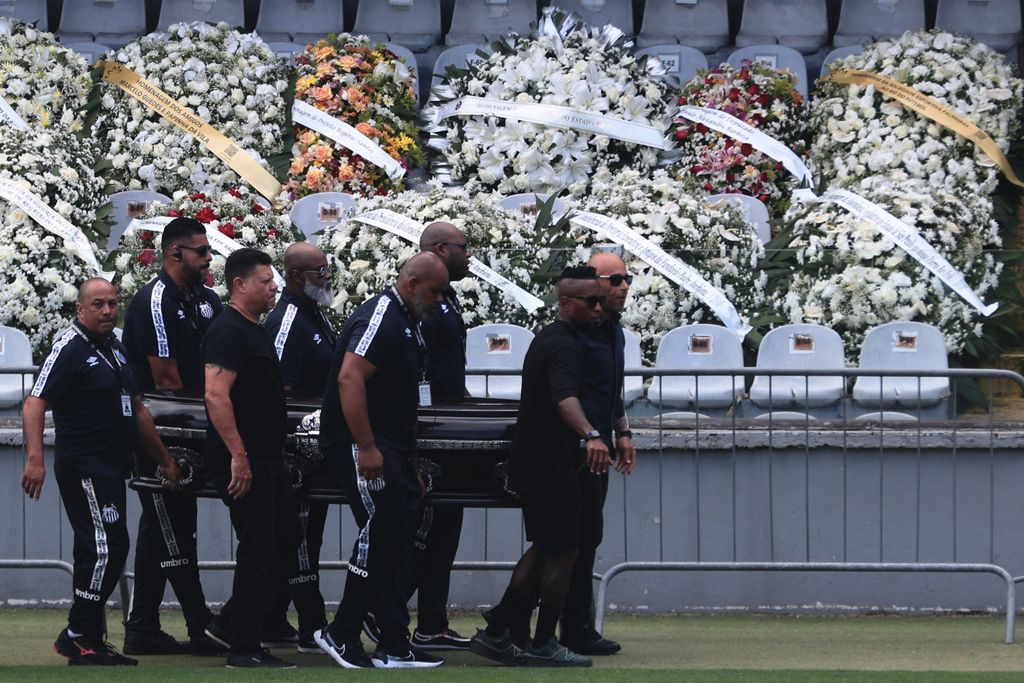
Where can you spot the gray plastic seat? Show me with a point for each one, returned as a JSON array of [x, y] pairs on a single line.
[[317, 211], [91, 51], [484, 21], [698, 347], [681, 62], [799, 347], [997, 23], [799, 24], [126, 206], [526, 202], [458, 56], [496, 346], [753, 209], [784, 416], [632, 385], [865, 21], [15, 352], [415, 24], [700, 24], [26, 10], [232, 12], [299, 21], [903, 346], [601, 12], [777, 57], [114, 23], [885, 416], [838, 54], [407, 56], [285, 50]]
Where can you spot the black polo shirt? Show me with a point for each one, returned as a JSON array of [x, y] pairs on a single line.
[[382, 332], [257, 396], [546, 455], [304, 341], [445, 334], [83, 381], [161, 323], [604, 363]]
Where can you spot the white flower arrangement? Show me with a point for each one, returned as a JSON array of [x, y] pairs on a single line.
[[43, 82], [39, 276], [231, 80], [568, 64]]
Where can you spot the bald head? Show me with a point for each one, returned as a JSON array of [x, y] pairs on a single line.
[[438, 232], [613, 276], [606, 263], [421, 282], [303, 255], [95, 286], [449, 243], [306, 273], [97, 307]]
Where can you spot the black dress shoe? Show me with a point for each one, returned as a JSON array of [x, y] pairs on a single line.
[[158, 643], [202, 645], [589, 642]]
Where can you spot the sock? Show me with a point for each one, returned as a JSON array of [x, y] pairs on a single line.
[[508, 611], [546, 622], [72, 634]]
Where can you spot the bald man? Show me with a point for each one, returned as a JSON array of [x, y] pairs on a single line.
[[368, 436], [98, 418]]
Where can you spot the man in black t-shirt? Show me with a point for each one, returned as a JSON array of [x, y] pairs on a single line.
[[163, 330], [248, 418], [368, 435], [98, 418], [552, 441]]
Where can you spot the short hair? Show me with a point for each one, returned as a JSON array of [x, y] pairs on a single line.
[[181, 229], [578, 273], [242, 262]]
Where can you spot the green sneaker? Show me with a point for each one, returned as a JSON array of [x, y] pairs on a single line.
[[552, 654], [499, 649]]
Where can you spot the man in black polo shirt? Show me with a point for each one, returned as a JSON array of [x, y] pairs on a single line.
[[553, 440], [604, 362], [368, 435], [248, 417], [304, 341], [164, 327], [98, 418]]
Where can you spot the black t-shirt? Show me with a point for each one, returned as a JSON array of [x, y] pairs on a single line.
[[382, 332], [546, 454], [84, 382], [257, 396], [304, 341], [161, 323], [445, 334], [603, 362]]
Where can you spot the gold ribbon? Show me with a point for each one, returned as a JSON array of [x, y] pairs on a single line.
[[184, 118], [929, 108]]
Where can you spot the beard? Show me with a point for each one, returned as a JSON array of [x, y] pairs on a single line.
[[322, 295]]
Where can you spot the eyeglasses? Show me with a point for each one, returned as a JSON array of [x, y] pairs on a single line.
[[200, 251], [592, 301], [461, 245], [616, 279], [322, 271]]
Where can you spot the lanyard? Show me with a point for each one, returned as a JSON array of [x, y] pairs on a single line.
[[421, 343], [115, 366]]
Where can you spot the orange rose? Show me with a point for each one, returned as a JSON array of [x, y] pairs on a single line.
[[366, 129], [297, 165], [307, 138], [348, 62], [321, 93], [345, 173], [322, 154], [313, 178], [323, 52]]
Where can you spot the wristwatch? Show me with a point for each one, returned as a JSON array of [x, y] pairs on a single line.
[[591, 435]]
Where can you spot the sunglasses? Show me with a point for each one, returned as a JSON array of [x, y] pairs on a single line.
[[461, 245], [616, 279], [592, 301], [201, 251], [322, 271]]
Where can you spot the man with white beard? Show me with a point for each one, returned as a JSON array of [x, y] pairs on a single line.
[[304, 340]]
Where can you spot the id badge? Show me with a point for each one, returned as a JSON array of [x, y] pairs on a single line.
[[126, 405], [425, 394]]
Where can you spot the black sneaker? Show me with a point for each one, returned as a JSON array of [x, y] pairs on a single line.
[[219, 632], [282, 635], [370, 627], [347, 655], [89, 651], [499, 649], [307, 646], [404, 657], [553, 654], [445, 640], [260, 659], [203, 645], [589, 642], [159, 643]]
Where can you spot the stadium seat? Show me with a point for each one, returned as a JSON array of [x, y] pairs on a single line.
[[526, 202], [799, 24], [415, 24], [601, 12], [839, 53], [299, 21], [458, 56], [126, 206], [111, 23], [700, 24], [89, 50], [231, 12], [496, 346], [784, 416], [903, 346], [632, 385], [314, 212], [484, 21], [799, 347], [285, 50], [865, 21], [28, 11], [409, 58], [776, 56], [997, 23], [754, 210], [698, 347], [681, 62], [15, 352]]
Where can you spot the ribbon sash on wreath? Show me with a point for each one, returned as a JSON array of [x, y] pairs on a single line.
[[346, 136]]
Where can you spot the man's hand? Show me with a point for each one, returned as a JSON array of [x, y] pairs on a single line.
[[32, 479], [598, 458], [170, 474], [371, 463], [626, 455], [241, 477]]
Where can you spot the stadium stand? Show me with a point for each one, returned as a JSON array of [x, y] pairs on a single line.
[[285, 50], [483, 21], [754, 210], [314, 212], [799, 347], [458, 56], [15, 352], [231, 12], [496, 347], [632, 386], [126, 206], [299, 21], [26, 10], [601, 12], [777, 57], [698, 347], [680, 62], [90, 50], [799, 24], [416, 24], [409, 58], [865, 21], [907, 346], [700, 24], [997, 23], [114, 24], [839, 53]]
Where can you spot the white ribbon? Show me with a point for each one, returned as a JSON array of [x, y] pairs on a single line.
[[554, 115], [411, 230], [346, 136], [10, 117], [52, 221], [727, 124], [907, 238], [674, 269], [219, 242]]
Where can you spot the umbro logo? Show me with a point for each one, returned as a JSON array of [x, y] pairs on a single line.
[[408, 333], [316, 338], [93, 361], [181, 314], [444, 308]]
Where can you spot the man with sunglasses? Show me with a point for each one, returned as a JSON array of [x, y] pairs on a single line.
[[163, 330]]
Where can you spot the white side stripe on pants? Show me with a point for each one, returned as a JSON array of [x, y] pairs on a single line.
[[165, 525], [102, 550], [364, 496]]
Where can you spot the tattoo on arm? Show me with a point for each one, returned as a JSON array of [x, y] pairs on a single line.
[[219, 368]]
